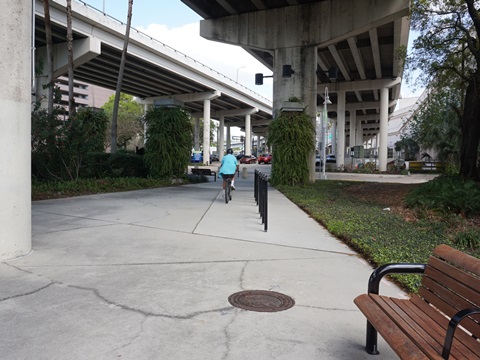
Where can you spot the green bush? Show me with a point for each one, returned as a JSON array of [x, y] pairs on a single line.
[[59, 146], [292, 138], [101, 165], [446, 194], [169, 142]]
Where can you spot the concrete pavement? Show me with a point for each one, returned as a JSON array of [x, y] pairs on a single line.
[[147, 274]]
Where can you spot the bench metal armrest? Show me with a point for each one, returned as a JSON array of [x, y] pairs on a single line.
[[398, 268], [452, 326]]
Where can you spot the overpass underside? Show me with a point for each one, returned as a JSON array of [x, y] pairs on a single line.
[[349, 51]]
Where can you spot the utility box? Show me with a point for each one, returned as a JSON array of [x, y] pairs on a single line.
[[358, 152]]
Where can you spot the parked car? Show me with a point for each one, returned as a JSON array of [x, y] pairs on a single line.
[[248, 159], [214, 157], [265, 159], [330, 159], [239, 156]]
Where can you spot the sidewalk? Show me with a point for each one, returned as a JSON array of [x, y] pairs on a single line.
[[147, 274]]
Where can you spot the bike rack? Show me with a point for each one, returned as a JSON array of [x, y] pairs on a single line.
[[260, 189]]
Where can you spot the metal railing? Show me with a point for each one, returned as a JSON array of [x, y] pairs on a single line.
[[260, 189]]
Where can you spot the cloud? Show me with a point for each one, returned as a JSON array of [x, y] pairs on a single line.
[[229, 60]]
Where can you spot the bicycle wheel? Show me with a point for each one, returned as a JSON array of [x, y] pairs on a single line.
[[227, 188]]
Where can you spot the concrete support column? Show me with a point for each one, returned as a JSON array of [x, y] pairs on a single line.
[[382, 149], [359, 140], [229, 138], [353, 127], [196, 135], [248, 135], [15, 102], [206, 132], [340, 129], [301, 84], [334, 136], [221, 138]]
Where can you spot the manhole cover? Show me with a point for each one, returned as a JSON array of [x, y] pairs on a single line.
[[261, 300]]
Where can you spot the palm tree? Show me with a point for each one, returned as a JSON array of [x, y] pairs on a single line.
[[48, 38], [120, 79], [71, 99]]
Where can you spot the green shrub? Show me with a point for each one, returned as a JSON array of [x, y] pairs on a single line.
[[291, 137], [169, 141], [446, 194], [121, 164], [469, 239]]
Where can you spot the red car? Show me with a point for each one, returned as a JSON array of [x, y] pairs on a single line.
[[248, 159], [265, 159]]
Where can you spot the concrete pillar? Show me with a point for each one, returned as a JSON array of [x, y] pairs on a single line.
[[248, 135], [359, 133], [353, 127], [221, 138], [383, 150], [229, 138], [334, 136], [258, 145], [206, 132], [340, 129], [196, 135], [301, 84], [15, 100]]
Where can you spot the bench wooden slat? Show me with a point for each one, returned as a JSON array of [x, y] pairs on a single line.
[[458, 281], [398, 341], [463, 344], [459, 258], [422, 339]]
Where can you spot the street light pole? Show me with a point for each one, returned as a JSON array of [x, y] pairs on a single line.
[[241, 67], [324, 133]]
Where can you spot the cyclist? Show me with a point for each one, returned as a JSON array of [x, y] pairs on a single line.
[[228, 168]]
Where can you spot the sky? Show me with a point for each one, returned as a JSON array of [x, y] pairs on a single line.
[[176, 25]]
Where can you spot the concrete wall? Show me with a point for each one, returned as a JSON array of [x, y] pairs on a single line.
[[15, 92]]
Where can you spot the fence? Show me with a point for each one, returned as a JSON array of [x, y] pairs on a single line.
[[260, 189]]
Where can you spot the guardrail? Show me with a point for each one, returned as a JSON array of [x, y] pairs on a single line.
[[260, 189]]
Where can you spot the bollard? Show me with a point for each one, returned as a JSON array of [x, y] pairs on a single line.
[[261, 196], [244, 173]]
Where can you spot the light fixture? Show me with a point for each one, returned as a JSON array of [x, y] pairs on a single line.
[[287, 71], [259, 78]]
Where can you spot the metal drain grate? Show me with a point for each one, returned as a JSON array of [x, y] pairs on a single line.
[[261, 300]]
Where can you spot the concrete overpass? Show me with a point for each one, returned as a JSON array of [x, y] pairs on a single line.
[[360, 40], [154, 73]]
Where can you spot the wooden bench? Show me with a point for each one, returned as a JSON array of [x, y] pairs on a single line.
[[441, 322], [204, 171]]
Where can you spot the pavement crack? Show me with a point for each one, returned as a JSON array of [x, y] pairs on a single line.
[[325, 308], [29, 292], [242, 275], [228, 338], [148, 313]]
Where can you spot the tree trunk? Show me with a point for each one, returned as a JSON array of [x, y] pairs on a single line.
[[470, 126], [48, 39], [116, 103], [71, 98]]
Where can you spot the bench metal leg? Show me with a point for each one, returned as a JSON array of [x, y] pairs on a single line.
[[371, 345]]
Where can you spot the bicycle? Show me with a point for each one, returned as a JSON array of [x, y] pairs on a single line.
[[228, 189]]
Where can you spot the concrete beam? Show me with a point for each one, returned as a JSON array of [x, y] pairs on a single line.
[[362, 85], [316, 24], [192, 97], [84, 50]]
